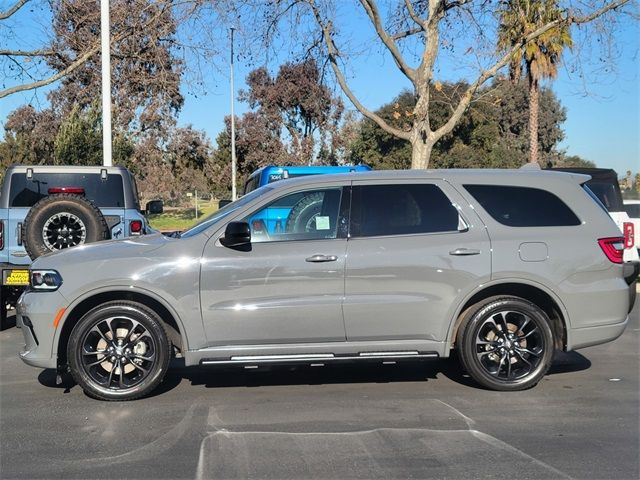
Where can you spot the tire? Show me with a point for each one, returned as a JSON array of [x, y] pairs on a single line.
[[62, 221], [136, 351], [513, 361], [301, 219]]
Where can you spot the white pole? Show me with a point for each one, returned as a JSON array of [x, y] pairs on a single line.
[[106, 82], [196, 204], [233, 129]]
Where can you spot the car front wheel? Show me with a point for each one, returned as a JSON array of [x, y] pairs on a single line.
[[506, 343], [119, 351]]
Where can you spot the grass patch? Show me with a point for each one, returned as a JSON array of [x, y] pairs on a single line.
[[181, 218]]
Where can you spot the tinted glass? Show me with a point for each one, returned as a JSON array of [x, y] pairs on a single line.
[[401, 209], [632, 209], [104, 193], [607, 194], [523, 206], [306, 215]]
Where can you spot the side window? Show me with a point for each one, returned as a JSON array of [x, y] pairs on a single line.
[[523, 206], [306, 215], [402, 209]]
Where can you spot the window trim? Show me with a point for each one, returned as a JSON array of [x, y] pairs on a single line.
[[435, 182], [475, 203], [309, 188]]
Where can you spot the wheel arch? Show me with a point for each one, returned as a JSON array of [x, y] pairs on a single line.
[[171, 321], [535, 293]]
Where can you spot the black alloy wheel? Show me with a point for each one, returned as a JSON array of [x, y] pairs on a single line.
[[506, 343], [119, 351]]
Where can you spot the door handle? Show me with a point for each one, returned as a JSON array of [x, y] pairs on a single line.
[[464, 251], [321, 258]]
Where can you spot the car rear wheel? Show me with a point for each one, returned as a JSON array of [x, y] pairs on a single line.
[[506, 343], [119, 351]]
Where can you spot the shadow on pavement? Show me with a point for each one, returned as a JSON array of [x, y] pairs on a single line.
[[216, 377]]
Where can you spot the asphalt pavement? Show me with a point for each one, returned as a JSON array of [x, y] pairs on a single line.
[[418, 420]]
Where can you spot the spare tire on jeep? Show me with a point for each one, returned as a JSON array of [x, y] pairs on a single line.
[[62, 221]]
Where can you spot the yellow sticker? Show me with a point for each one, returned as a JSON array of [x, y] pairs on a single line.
[[16, 277]]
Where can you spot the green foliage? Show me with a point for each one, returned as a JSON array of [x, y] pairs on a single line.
[[79, 139], [491, 134], [541, 56]]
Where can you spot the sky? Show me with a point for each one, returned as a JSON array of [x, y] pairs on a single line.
[[603, 109]]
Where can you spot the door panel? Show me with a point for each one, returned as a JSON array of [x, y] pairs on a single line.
[[288, 286], [406, 286], [271, 294]]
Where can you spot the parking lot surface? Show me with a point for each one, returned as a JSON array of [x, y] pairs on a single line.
[[417, 420]]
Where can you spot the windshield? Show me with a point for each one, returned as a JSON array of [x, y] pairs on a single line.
[[215, 217]]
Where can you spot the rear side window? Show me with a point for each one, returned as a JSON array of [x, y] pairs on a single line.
[[523, 206], [104, 193], [632, 209], [400, 210]]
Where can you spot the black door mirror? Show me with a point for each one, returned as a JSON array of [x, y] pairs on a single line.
[[223, 203], [236, 234], [154, 207]]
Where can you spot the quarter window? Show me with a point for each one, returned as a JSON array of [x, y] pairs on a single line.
[[523, 206], [402, 209], [306, 215]]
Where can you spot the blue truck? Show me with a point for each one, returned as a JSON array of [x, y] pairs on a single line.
[[48, 208], [277, 218]]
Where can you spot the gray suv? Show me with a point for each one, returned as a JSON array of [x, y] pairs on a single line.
[[502, 266]]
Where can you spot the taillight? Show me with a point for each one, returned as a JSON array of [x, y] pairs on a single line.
[[1, 236], [135, 226], [76, 190], [612, 248], [629, 234]]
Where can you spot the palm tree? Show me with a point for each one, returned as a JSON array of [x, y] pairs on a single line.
[[539, 57]]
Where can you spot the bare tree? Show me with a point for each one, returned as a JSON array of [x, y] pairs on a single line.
[[414, 35]]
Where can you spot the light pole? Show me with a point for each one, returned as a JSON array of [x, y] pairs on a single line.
[[233, 128], [106, 82]]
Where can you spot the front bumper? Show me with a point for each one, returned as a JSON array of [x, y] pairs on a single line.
[[35, 313]]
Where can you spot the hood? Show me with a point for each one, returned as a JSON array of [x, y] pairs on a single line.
[[125, 248]]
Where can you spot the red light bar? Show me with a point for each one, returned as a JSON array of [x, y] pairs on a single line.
[[629, 234], [76, 190]]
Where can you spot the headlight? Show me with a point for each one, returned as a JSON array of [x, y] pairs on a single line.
[[45, 280]]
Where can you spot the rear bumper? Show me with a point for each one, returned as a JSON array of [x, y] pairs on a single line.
[[589, 336]]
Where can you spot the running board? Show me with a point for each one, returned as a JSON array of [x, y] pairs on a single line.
[[319, 359]]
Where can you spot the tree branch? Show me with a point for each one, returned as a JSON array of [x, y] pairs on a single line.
[[78, 62], [406, 33], [414, 16], [27, 53], [333, 56], [502, 62], [17, 6], [373, 14]]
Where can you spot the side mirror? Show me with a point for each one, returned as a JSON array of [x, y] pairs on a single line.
[[236, 234], [223, 203], [154, 207]]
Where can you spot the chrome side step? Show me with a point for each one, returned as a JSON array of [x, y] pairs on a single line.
[[318, 359]]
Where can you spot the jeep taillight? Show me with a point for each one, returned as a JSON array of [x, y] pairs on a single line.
[[613, 248], [135, 226], [1, 235], [629, 234]]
